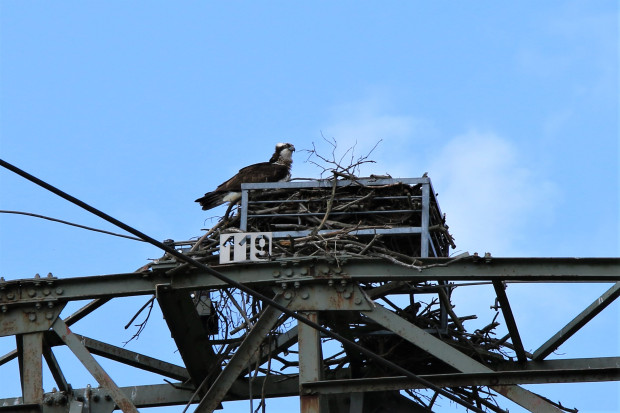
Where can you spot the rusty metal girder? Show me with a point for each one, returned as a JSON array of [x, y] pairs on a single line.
[[93, 367], [342, 296], [471, 268], [188, 333]]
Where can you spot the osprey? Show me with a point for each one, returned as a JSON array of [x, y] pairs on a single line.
[[278, 169]]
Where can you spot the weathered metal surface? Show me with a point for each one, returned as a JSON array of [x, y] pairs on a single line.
[[28, 318], [188, 333], [127, 357], [54, 367], [582, 319], [31, 366], [156, 395], [342, 296], [276, 346], [454, 358], [239, 361], [321, 285], [93, 367], [310, 362], [466, 269], [551, 374], [511, 324]]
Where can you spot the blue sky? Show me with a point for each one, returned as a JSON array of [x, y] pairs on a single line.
[[139, 108]]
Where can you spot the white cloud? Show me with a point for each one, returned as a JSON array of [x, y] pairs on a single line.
[[492, 199], [362, 125]]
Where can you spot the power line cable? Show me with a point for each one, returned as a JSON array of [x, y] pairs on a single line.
[[233, 283], [30, 214]]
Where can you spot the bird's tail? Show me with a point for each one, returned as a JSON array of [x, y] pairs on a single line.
[[211, 200]]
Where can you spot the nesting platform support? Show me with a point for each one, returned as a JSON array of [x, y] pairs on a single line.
[[35, 339], [345, 254]]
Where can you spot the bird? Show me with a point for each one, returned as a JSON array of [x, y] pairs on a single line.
[[278, 169]]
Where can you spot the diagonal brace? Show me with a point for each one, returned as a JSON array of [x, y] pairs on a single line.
[[500, 291], [454, 358], [582, 319], [92, 366]]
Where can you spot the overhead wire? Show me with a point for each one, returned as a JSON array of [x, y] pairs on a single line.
[[233, 283], [30, 214]]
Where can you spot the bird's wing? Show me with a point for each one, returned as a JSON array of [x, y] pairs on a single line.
[[258, 172]]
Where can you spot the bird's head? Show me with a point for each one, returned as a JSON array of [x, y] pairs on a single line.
[[283, 153]]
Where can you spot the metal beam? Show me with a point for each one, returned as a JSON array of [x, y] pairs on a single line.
[[159, 395], [524, 376], [456, 359], [54, 367], [188, 333], [278, 344], [241, 358], [571, 328], [93, 367], [127, 357], [310, 363], [465, 269], [86, 310], [500, 291], [31, 366]]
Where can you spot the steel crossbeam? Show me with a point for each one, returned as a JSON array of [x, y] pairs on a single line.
[[470, 268]]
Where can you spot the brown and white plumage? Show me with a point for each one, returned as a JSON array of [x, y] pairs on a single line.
[[277, 169]]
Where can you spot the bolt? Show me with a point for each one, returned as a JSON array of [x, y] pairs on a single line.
[[276, 273], [283, 285], [37, 306], [10, 296], [49, 315], [32, 317], [343, 283], [337, 270], [108, 397], [96, 398], [297, 284], [324, 270], [59, 291], [50, 304], [32, 292], [347, 294], [288, 272], [49, 275], [358, 300], [288, 295], [37, 276], [304, 271], [330, 283], [4, 309], [46, 291], [305, 295]]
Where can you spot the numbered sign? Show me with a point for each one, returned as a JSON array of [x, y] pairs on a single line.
[[243, 247]]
